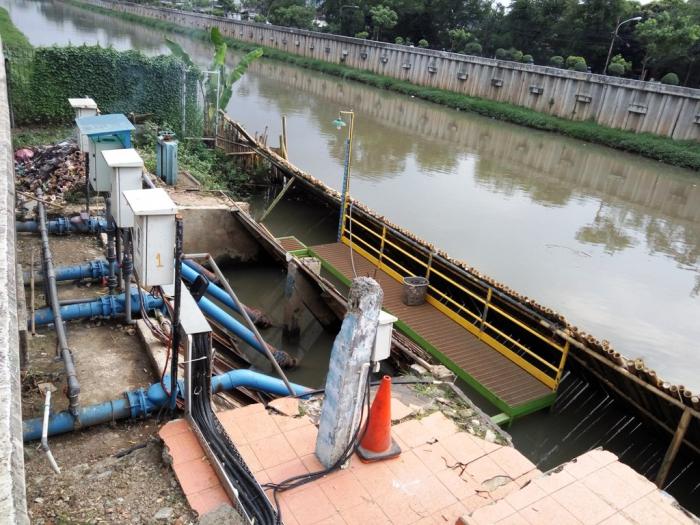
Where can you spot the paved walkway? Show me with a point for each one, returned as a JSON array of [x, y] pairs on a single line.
[[443, 475]]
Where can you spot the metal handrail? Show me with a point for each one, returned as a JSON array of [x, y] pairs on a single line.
[[387, 262]]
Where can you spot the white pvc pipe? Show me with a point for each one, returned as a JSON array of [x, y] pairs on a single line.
[[45, 433]]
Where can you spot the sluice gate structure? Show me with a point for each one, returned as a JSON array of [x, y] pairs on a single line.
[[508, 347]]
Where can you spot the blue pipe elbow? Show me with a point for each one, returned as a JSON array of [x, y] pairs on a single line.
[[255, 380], [144, 402]]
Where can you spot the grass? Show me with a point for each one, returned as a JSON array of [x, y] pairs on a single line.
[[12, 38], [681, 153]]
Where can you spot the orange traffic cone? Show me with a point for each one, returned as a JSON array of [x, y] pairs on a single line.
[[377, 443]]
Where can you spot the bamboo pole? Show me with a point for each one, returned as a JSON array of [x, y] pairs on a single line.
[[673, 449]]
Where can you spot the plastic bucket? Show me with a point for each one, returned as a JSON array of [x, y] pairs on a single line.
[[414, 290]]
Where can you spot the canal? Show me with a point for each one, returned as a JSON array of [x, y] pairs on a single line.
[[610, 240]]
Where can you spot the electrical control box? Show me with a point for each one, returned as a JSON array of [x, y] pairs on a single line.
[[83, 107], [382, 343], [153, 236], [127, 170], [100, 173]]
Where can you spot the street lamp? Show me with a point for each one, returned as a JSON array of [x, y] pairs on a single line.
[[340, 14], [339, 124], [612, 42]]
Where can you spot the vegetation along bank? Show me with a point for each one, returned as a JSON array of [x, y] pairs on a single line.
[[678, 153]]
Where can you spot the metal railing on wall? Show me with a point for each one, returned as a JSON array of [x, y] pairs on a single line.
[[500, 322]]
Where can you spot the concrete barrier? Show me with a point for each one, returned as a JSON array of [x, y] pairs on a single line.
[[13, 504], [633, 105]]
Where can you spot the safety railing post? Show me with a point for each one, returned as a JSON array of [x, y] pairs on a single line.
[[381, 245], [489, 294]]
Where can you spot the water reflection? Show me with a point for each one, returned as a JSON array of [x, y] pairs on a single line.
[[609, 239]]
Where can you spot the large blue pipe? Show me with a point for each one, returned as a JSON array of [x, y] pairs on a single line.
[[224, 319], [107, 306], [64, 225], [144, 402], [189, 274]]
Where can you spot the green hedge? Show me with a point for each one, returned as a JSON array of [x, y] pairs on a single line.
[[678, 153], [120, 82]]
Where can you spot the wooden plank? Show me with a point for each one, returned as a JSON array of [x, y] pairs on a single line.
[[491, 369]]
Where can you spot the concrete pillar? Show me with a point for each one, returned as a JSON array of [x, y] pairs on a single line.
[[292, 306], [348, 370]]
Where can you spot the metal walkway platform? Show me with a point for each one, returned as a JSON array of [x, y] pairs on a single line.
[[511, 388]]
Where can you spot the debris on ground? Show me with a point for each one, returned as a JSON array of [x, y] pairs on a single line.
[[57, 169]]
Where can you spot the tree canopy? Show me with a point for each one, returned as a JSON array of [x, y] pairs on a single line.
[[547, 32]]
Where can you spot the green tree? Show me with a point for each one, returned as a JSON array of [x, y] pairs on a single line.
[[576, 63], [293, 16], [362, 34], [382, 18], [473, 48], [616, 69], [459, 38], [667, 35], [670, 78], [556, 61], [423, 43]]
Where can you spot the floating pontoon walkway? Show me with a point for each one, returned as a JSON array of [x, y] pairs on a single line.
[[434, 331]]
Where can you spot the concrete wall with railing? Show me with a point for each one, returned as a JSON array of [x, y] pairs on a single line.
[[633, 105], [13, 505]]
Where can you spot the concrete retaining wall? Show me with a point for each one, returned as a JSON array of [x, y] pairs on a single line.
[[615, 102], [13, 505]]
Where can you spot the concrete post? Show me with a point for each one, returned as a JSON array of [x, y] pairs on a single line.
[[292, 306], [348, 369]]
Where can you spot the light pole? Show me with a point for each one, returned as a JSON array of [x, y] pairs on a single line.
[[612, 42], [340, 14], [339, 123]]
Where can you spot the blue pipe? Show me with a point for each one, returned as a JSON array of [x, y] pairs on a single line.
[[144, 402], [189, 274], [64, 225], [228, 322], [107, 306]]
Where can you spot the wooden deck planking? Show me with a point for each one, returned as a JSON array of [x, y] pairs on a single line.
[[290, 244], [488, 367]]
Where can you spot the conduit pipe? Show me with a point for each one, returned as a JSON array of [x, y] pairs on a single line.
[[65, 225], [108, 306], [144, 402], [73, 385]]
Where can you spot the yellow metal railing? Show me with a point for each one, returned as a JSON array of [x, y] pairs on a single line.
[[543, 356]]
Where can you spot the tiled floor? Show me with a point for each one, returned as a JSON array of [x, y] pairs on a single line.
[[442, 476]]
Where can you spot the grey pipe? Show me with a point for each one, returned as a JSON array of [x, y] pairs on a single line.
[[66, 355], [111, 250], [128, 266]]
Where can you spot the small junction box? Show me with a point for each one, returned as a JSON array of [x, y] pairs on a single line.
[[153, 235], [127, 171]]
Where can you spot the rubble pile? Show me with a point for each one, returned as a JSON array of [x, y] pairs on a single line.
[[56, 168]]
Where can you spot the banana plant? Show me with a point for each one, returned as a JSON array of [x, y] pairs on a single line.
[[216, 94]]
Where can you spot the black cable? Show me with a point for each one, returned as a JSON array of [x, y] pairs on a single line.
[[394, 381], [302, 479], [175, 347], [250, 494]]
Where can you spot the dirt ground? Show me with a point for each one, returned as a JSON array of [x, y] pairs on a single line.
[[95, 486]]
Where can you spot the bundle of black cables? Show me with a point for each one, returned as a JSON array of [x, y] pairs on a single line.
[[302, 479], [250, 494]]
